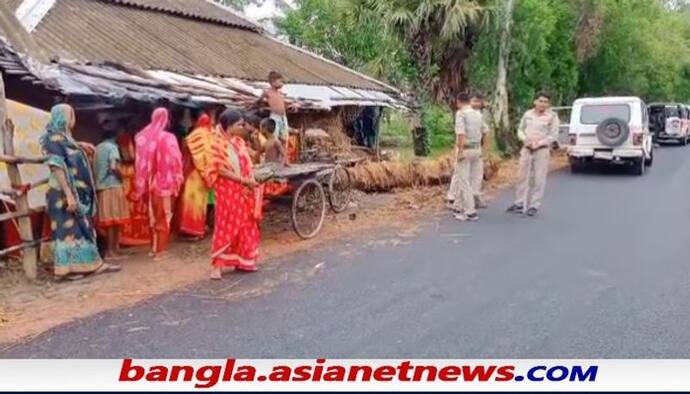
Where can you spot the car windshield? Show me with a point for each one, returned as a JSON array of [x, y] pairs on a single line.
[[672, 112], [595, 114]]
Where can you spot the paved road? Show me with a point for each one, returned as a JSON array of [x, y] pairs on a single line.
[[604, 272]]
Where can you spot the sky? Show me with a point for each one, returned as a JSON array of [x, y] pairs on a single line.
[[266, 10]]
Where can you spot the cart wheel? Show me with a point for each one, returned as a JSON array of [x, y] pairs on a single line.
[[339, 189], [308, 209]]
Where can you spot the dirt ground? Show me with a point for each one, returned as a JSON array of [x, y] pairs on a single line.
[[28, 308]]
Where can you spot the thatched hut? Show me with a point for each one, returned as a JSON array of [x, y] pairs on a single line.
[[125, 56]]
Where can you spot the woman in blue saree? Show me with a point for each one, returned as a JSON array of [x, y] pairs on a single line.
[[71, 199]]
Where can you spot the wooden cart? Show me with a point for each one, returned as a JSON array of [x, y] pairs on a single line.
[[309, 187]]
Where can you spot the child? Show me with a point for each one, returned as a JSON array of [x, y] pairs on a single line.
[[113, 212], [252, 124], [276, 103], [274, 150]]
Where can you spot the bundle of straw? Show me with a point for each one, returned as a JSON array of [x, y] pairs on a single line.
[[386, 176]]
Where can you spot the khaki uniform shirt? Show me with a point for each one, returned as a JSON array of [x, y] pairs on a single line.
[[470, 122], [542, 128]]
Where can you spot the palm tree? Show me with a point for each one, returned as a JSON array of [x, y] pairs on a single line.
[[439, 34]]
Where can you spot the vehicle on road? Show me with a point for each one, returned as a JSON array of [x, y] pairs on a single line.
[[670, 122], [564, 126], [610, 130]]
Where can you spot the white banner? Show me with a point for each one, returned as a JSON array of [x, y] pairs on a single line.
[[345, 375]]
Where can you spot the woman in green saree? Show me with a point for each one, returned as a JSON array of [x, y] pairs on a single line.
[[71, 199]]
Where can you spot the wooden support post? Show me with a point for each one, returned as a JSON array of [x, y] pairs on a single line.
[[30, 254]]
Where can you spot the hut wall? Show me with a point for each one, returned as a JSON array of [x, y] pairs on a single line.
[[337, 123]]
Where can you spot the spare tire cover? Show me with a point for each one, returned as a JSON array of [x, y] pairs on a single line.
[[613, 132]]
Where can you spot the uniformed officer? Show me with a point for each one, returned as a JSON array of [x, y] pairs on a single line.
[[469, 129], [538, 131]]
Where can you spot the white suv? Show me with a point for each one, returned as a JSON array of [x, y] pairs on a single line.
[[612, 130], [669, 122]]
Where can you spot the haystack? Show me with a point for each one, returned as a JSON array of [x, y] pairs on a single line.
[[390, 175], [386, 176]]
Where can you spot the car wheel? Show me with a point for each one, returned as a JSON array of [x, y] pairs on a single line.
[[683, 141], [639, 167], [575, 168], [650, 161]]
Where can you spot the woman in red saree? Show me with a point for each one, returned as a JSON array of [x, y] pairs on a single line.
[[198, 152], [236, 234], [136, 231]]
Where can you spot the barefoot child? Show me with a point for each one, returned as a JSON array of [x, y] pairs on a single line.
[[113, 212], [276, 103]]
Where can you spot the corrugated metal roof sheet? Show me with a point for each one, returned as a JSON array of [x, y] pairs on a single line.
[[94, 87], [196, 9], [100, 31], [13, 4]]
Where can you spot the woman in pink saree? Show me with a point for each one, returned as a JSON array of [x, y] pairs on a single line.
[[236, 234], [158, 177]]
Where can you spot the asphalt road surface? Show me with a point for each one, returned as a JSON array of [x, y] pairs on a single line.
[[603, 273]]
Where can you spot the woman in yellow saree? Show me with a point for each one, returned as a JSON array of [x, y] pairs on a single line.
[[198, 153]]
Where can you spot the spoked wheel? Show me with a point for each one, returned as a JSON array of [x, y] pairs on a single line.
[[339, 189], [308, 209]]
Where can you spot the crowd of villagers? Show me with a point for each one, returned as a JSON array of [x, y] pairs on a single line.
[[128, 188]]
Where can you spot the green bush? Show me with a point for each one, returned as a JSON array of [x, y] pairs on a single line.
[[438, 121], [395, 130]]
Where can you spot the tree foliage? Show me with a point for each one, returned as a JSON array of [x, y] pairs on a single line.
[[542, 53], [350, 34], [571, 48], [644, 49]]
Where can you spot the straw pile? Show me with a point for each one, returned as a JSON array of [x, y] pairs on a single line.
[[386, 176], [334, 126], [389, 175]]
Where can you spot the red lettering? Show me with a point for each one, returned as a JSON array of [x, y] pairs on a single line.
[[208, 376], [229, 369], [356, 369], [478, 374], [245, 373], [157, 373], [449, 374], [318, 370], [385, 373], [430, 370], [404, 370], [176, 370], [302, 374], [280, 373], [334, 373], [505, 373], [128, 368]]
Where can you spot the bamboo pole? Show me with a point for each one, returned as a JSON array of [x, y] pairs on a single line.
[[30, 254], [21, 160], [21, 246], [13, 215], [13, 193]]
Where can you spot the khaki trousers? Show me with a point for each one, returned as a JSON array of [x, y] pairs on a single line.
[[533, 170], [467, 170], [476, 180]]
